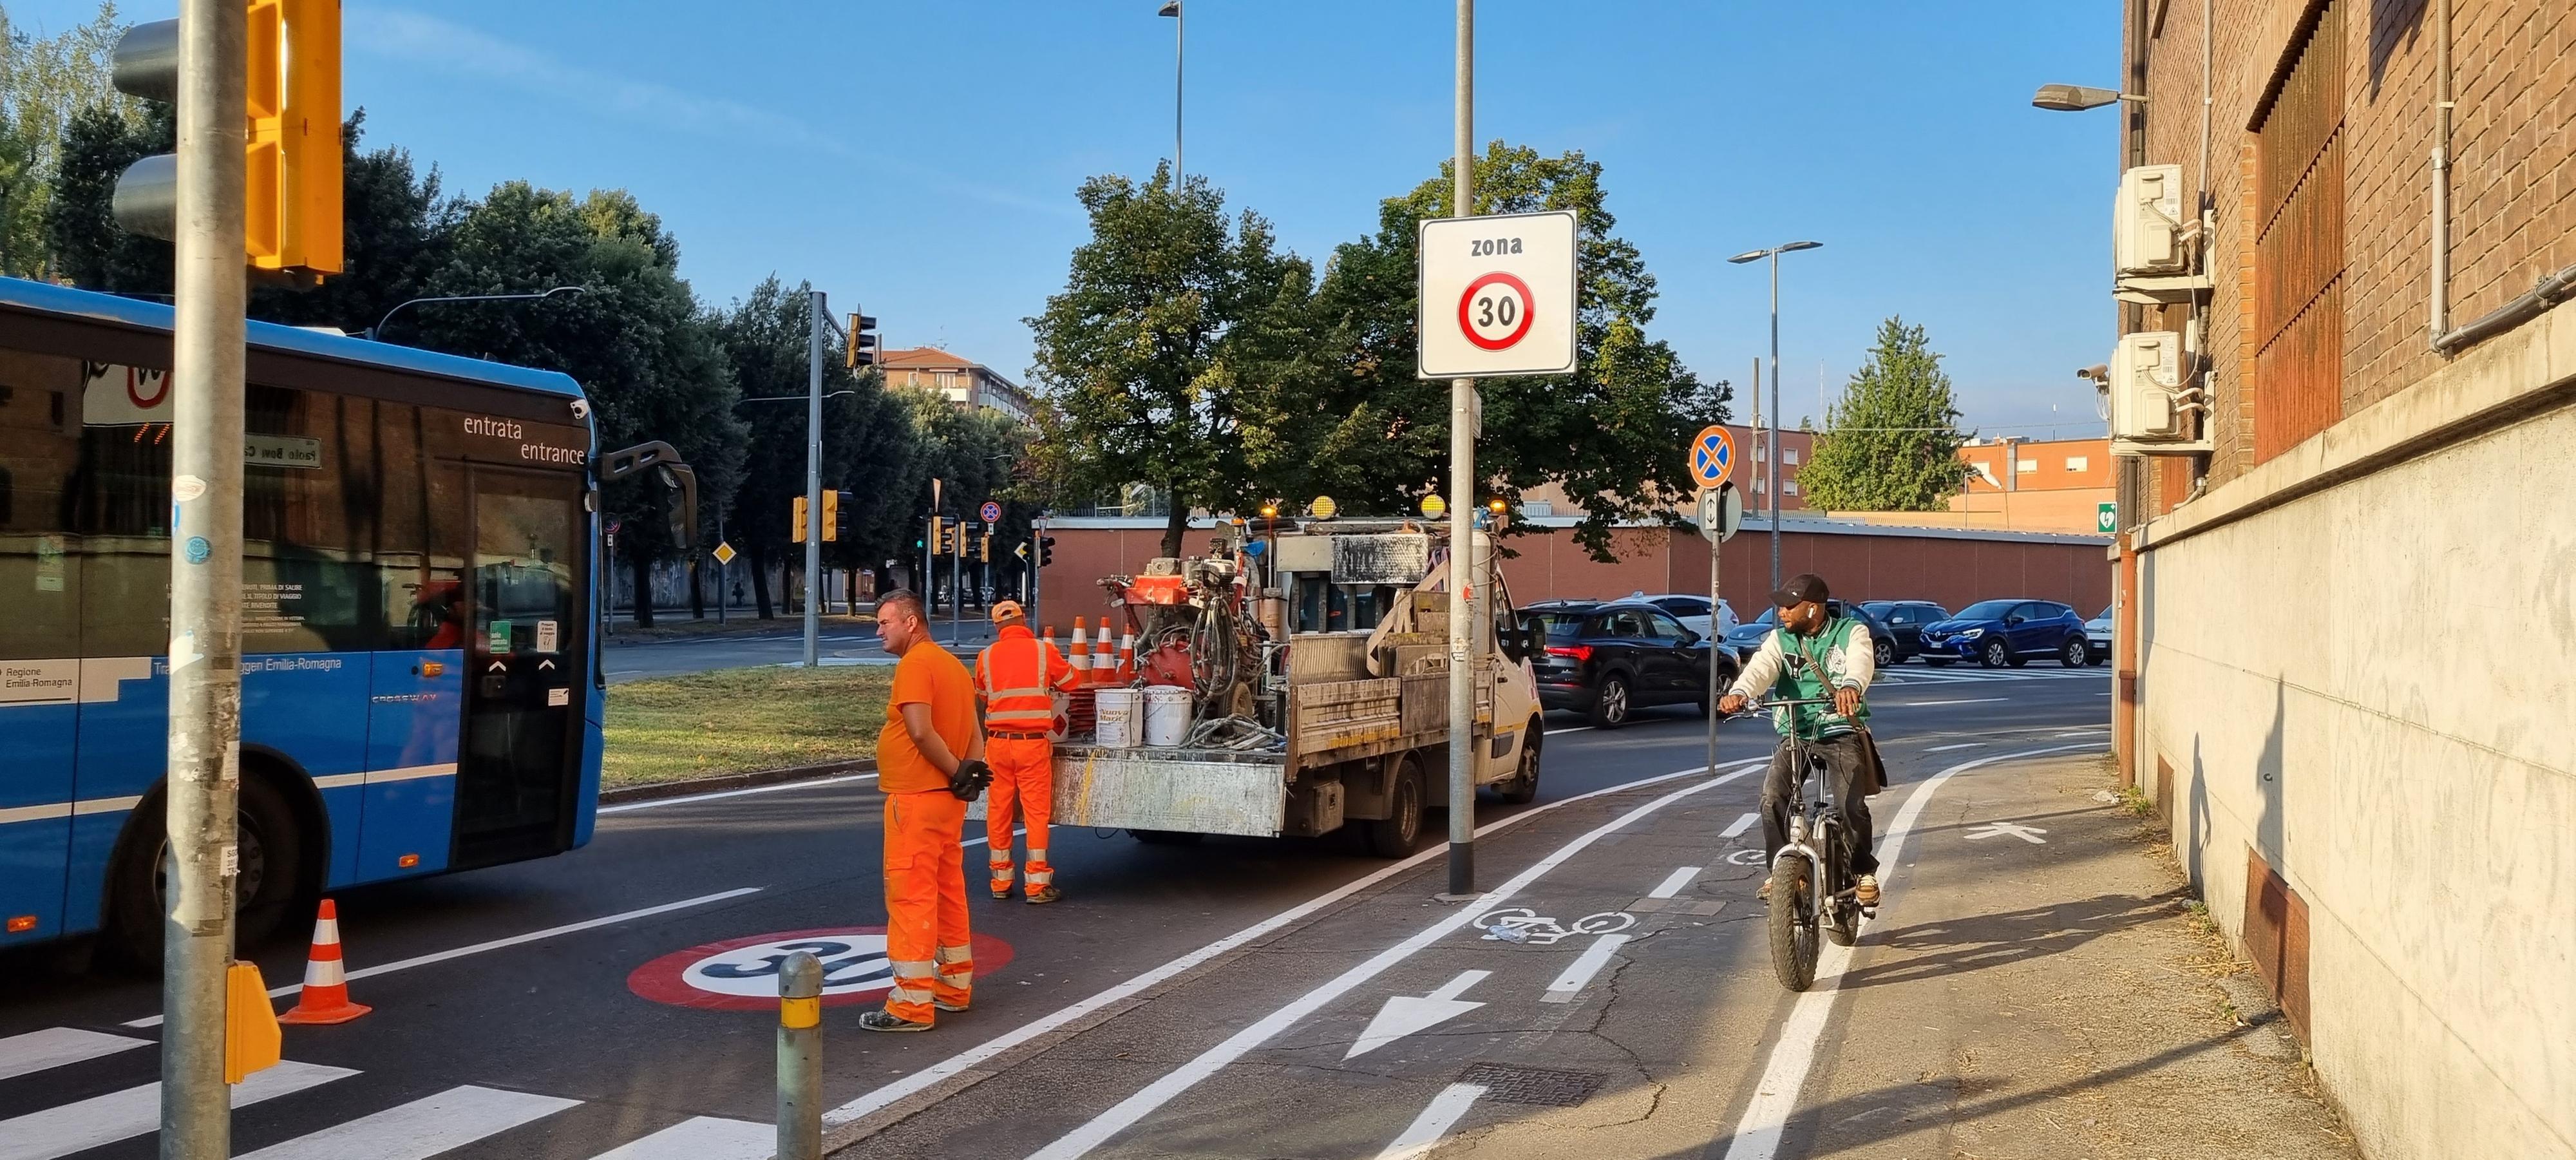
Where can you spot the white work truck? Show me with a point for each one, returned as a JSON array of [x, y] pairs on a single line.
[[1319, 662]]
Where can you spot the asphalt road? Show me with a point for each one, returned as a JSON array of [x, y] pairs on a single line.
[[837, 645], [1165, 1007]]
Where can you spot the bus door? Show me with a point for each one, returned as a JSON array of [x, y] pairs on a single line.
[[518, 768]]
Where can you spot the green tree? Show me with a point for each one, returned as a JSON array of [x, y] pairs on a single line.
[[1608, 434], [43, 84], [82, 240], [1159, 363], [1891, 443]]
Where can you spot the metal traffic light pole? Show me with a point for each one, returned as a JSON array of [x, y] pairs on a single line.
[[1462, 518], [206, 359], [813, 473]]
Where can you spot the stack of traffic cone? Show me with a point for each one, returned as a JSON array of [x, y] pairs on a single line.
[[1104, 656], [1081, 657], [325, 997]]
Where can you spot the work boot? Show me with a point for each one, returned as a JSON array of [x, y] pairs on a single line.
[[1865, 891], [1002, 890], [884, 1020], [1041, 895], [945, 1005]]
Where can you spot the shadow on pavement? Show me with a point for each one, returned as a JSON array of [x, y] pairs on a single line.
[[1992, 940]]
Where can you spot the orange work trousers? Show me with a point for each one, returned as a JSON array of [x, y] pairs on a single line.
[[1023, 771], [925, 880]]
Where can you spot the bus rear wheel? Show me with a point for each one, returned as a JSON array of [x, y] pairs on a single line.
[[265, 888]]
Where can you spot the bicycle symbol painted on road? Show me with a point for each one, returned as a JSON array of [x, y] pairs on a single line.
[[1523, 925]]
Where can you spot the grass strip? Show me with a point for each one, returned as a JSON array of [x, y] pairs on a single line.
[[740, 720]]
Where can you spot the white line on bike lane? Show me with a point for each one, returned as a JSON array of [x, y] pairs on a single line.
[[954, 1065], [1775, 1099], [1127, 1112]]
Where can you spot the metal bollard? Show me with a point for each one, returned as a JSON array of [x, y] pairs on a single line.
[[800, 1058]]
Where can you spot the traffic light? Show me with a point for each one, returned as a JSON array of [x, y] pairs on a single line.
[[292, 175], [1046, 551], [863, 341], [984, 548], [836, 515], [929, 534], [796, 522], [952, 536]]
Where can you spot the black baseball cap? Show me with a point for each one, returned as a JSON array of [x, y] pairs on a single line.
[[1801, 588]]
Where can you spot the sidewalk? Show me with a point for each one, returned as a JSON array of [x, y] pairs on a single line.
[[2051, 998]]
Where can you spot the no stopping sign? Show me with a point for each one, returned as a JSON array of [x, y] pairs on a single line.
[[1497, 295]]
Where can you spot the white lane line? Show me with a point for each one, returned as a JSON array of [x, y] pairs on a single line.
[[1578, 974], [1673, 883], [781, 787], [498, 943], [56, 1046], [1563, 732], [75, 1127], [420, 1129], [1961, 745], [1127, 1112], [1757, 1135], [964, 1060], [1741, 824], [1958, 701], [1435, 1121], [702, 1138]]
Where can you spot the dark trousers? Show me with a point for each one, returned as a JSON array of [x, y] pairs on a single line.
[[1842, 758]]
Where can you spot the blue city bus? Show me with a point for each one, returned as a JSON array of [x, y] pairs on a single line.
[[421, 688]]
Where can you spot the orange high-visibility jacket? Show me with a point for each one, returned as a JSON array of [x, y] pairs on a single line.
[[1017, 677]]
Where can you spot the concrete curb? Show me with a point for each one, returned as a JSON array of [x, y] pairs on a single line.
[[721, 782]]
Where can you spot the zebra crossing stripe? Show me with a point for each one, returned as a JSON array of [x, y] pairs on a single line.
[[75, 1127], [56, 1047], [420, 1129], [702, 1138]]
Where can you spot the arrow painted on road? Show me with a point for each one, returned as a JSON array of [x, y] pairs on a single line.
[[1405, 1014], [2030, 834]]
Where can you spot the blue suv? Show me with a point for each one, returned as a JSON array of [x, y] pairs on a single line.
[[1996, 633]]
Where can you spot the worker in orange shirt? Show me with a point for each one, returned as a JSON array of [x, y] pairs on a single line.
[[1017, 677], [930, 763]]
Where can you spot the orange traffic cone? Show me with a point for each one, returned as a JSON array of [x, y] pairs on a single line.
[[325, 997], [1126, 657], [1104, 655], [1081, 658]]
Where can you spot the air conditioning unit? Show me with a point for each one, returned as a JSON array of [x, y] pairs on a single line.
[[2147, 223], [2148, 400]]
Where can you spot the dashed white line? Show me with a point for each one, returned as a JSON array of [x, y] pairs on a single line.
[[816, 783], [1673, 883], [76, 1127], [1436, 1119], [56, 1046], [1959, 701], [1961, 745], [1741, 824], [422, 1128], [1578, 974], [1775, 1098]]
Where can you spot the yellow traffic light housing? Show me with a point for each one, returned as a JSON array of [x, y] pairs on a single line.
[[292, 203], [796, 521], [831, 516]]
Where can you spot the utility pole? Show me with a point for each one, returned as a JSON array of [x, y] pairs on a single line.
[[1463, 506], [212, 297], [1773, 468], [813, 473]]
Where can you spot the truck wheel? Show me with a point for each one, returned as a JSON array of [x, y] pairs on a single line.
[[1521, 788], [1393, 835], [1166, 837], [270, 854]]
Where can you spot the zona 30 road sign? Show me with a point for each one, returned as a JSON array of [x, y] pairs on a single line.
[[1497, 295]]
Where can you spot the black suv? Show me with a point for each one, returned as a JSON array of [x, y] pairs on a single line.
[[1903, 621], [1606, 660]]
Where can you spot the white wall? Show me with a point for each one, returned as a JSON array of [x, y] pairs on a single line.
[[2375, 687]]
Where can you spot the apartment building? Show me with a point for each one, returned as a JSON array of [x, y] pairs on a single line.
[[965, 382]]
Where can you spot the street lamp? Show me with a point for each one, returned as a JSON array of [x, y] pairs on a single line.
[[2077, 98], [379, 327], [1774, 468], [2128, 480], [1180, 36]]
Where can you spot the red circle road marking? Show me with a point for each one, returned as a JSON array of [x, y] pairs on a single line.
[[666, 979], [1529, 308]]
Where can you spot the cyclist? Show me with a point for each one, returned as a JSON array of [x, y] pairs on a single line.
[[1814, 654]]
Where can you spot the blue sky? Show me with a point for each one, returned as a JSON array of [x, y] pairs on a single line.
[[921, 158]]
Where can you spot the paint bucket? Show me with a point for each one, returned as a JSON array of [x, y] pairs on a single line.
[[1167, 715], [1118, 717]]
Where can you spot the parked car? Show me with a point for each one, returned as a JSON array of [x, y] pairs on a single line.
[[2097, 632], [1747, 639], [1996, 633], [1693, 612], [1905, 620], [1606, 660]]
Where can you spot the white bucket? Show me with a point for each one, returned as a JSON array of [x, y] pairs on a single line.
[[1119, 717], [1167, 715]]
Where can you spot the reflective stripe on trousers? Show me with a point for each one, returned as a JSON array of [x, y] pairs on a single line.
[[925, 877]]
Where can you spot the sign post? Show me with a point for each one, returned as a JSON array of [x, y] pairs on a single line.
[[1496, 296], [1711, 457]]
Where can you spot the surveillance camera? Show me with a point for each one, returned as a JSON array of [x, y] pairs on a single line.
[[2097, 372], [581, 408]]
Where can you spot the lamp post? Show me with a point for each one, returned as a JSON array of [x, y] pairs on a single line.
[[2128, 479], [1180, 38], [379, 327], [1773, 469]]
